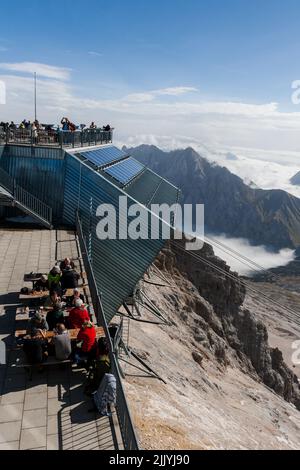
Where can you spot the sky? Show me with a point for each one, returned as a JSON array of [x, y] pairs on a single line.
[[169, 72]]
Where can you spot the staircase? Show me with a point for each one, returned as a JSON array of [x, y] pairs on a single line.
[[12, 195]]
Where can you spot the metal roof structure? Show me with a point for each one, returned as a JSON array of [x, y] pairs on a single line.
[[117, 264], [78, 181]]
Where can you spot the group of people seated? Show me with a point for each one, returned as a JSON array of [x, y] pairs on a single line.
[[86, 349], [59, 279]]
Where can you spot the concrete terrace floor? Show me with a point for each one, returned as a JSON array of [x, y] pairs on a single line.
[[49, 412]]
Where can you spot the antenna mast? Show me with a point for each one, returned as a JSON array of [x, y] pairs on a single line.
[[35, 109]]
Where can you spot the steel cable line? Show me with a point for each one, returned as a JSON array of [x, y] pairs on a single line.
[[239, 257], [291, 312]]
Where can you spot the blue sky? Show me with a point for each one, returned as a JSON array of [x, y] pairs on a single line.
[[224, 67]]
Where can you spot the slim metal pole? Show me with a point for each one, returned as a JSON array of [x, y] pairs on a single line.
[[35, 109]]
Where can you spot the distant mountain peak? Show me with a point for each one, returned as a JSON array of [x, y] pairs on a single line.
[[295, 180], [265, 217]]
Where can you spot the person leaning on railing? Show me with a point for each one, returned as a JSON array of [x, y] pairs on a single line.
[[34, 132], [100, 366]]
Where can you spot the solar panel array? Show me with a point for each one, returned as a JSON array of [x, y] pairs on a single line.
[[125, 171], [104, 156]]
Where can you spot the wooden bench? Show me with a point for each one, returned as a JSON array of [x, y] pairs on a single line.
[[51, 361]]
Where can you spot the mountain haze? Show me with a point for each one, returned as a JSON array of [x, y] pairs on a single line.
[[264, 217]]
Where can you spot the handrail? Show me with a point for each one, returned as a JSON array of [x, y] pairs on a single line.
[[56, 138], [26, 199], [128, 434]]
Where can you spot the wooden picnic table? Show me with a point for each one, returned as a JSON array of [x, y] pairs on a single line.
[[25, 316], [42, 294], [73, 333], [34, 295], [33, 277], [70, 292]]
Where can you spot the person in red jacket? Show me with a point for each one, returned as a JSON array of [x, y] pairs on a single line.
[[78, 315], [86, 343]]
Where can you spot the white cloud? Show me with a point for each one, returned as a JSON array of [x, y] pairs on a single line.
[[43, 70], [263, 169], [95, 54], [257, 254], [175, 91], [166, 117], [139, 97], [151, 95]]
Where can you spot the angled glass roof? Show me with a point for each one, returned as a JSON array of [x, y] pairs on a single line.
[[125, 170], [144, 187], [104, 156]]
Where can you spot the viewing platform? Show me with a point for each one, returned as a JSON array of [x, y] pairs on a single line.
[[56, 138], [49, 410]]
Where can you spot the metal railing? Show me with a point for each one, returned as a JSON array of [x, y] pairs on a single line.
[[128, 434], [56, 138], [24, 198]]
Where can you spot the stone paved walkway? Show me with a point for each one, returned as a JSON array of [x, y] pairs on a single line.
[[49, 412]]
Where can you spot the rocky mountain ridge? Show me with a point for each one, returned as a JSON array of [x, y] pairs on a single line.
[[264, 217], [224, 382]]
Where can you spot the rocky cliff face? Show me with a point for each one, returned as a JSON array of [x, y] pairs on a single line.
[[225, 387], [263, 217], [221, 324]]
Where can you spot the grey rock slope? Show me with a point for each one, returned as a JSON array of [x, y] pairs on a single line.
[[270, 217], [225, 386], [222, 325]]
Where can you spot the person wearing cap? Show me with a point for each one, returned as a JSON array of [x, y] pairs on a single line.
[[54, 278], [55, 316], [42, 284], [69, 278], [86, 346], [37, 325], [78, 315]]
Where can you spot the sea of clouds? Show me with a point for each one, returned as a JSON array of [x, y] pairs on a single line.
[[260, 255]]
